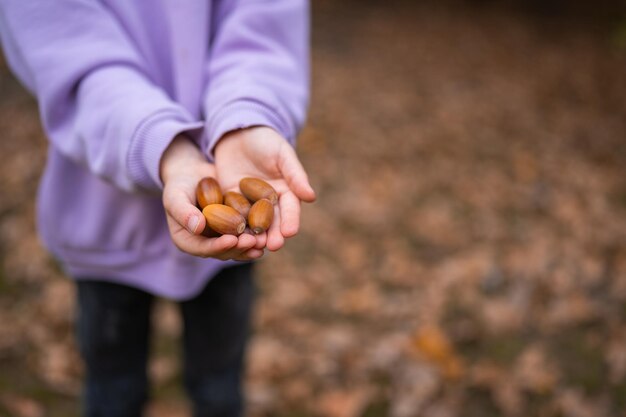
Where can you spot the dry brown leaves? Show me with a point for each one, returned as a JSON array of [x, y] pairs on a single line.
[[466, 256]]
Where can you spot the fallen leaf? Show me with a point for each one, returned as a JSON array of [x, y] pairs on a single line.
[[433, 344]]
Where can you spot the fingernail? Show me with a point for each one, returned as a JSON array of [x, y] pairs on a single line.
[[192, 224]]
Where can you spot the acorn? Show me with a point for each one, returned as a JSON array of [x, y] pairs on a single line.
[[261, 216], [208, 192], [238, 202], [223, 219], [255, 189]]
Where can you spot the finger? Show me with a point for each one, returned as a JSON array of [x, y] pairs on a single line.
[[295, 175], [237, 255], [254, 253], [275, 239], [202, 246], [261, 240], [250, 255], [181, 209], [245, 242], [290, 214], [215, 247]]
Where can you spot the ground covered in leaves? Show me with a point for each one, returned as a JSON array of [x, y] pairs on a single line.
[[466, 257]]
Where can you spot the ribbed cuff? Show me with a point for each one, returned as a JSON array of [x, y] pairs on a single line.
[[243, 114], [151, 139]]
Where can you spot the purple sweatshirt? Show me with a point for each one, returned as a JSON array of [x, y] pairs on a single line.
[[116, 80]]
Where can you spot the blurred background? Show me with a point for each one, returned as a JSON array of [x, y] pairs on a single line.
[[466, 256]]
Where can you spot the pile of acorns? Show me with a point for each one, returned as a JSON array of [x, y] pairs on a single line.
[[226, 214]]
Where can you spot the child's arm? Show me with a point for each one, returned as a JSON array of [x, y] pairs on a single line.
[[258, 75], [97, 105]]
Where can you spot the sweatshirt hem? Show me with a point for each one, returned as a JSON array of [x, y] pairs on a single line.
[[176, 276]]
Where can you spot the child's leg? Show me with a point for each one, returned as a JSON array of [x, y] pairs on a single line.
[[216, 330], [113, 329]]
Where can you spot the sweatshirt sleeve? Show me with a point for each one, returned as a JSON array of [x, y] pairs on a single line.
[[97, 102], [258, 68]]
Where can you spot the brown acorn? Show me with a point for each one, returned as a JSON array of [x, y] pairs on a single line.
[[208, 192], [261, 216], [223, 219], [238, 202], [255, 189]]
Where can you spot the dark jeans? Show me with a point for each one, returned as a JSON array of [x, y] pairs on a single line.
[[113, 330]]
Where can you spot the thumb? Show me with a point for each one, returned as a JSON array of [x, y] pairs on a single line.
[[179, 207], [295, 175]]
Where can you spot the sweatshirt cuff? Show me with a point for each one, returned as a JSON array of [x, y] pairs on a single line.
[[240, 115], [149, 142]]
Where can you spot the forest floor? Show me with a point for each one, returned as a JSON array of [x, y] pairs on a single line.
[[466, 255]]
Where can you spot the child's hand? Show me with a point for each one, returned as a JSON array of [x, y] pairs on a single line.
[[182, 166], [261, 152]]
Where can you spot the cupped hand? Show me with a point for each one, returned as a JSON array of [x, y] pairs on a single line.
[[182, 166], [263, 153]]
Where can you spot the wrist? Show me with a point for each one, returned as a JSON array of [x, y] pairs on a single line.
[[232, 136], [243, 139], [182, 152]]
